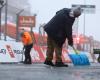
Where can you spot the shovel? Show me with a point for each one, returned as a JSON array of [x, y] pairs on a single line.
[[79, 58]]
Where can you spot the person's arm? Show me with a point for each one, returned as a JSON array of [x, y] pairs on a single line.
[[33, 37], [70, 36], [25, 39]]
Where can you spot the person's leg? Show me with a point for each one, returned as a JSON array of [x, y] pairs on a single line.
[[50, 51], [58, 52], [27, 54], [98, 58]]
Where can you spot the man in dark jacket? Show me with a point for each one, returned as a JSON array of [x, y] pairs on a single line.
[[58, 29]]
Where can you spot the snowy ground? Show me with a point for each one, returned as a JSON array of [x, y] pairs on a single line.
[[43, 72]]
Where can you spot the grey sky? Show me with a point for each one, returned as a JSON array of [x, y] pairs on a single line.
[[46, 9]]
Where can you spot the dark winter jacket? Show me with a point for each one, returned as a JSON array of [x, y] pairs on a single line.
[[60, 27]]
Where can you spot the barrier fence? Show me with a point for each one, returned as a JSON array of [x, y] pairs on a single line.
[[12, 52]]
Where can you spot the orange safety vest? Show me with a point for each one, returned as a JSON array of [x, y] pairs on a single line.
[[26, 38]]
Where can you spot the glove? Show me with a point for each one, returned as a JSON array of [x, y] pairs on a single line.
[[70, 42]]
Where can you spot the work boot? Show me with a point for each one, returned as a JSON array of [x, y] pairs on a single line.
[[27, 62], [48, 63], [60, 64]]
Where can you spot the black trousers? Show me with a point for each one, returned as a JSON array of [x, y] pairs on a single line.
[[27, 53]]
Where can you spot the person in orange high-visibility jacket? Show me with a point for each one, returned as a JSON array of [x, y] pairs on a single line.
[[27, 39]]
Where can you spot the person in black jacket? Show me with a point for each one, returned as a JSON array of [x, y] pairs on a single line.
[[58, 29]]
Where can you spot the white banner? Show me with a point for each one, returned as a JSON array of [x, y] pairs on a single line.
[[7, 53], [11, 51]]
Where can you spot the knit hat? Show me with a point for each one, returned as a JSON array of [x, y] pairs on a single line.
[[77, 11]]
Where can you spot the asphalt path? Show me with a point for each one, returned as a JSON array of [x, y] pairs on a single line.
[[42, 72]]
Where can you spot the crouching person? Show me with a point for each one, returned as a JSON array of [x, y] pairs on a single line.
[[27, 39]]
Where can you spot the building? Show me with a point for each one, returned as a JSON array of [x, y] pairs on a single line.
[[20, 7], [11, 12]]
